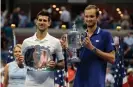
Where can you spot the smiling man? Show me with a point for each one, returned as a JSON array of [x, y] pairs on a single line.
[[98, 49], [40, 40]]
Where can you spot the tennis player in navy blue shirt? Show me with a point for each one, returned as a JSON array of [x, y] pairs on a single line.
[[98, 49]]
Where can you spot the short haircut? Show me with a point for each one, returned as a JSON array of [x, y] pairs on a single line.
[[93, 7], [44, 13]]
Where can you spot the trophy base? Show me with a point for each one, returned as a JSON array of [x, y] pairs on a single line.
[[74, 60]]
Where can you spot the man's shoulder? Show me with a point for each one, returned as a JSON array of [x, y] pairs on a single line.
[[52, 38], [104, 31]]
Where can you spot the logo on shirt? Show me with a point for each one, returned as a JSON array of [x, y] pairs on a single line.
[[97, 40], [113, 44]]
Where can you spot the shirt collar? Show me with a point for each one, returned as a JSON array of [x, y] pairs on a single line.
[[44, 39], [97, 31]]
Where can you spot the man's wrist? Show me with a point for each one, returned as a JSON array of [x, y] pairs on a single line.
[[56, 66], [94, 49], [91, 47], [59, 65]]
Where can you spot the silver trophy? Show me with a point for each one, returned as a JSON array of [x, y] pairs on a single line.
[[74, 43], [37, 57]]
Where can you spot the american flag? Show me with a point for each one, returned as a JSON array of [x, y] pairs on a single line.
[[119, 72], [59, 78], [10, 56]]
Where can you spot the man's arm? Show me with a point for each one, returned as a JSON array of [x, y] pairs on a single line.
[[59, 53], [60, 58], [60, 64], [108, 56]]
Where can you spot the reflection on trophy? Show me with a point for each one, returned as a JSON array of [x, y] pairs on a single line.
[[74, 43], [40, 58], [37, 57]]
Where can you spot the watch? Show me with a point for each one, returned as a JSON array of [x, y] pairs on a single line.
[[94, 50]]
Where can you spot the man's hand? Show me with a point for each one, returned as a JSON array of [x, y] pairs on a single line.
[[87, 43], [51, 64]]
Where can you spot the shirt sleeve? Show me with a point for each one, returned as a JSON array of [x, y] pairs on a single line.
[[58, 51], [23, 47], [109, 46]]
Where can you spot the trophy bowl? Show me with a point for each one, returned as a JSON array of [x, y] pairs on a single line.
[[36, 58]]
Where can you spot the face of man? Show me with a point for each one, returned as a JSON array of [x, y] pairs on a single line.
[[42, 23], [90, 17]]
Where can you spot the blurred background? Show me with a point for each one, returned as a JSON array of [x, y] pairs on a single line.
[[115, 15]]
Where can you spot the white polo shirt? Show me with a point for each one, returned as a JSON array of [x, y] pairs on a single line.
[[42, 78]]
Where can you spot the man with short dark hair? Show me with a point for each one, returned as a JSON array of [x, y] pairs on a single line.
[[41, 39], [98, 49]]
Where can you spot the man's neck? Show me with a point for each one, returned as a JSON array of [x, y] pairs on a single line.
[[91, 29], [40, 35]]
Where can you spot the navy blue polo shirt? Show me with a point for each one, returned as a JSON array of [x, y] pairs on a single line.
[[92, 69]]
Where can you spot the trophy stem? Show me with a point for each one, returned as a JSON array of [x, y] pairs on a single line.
[[74, 27], [74, 59], [75, 52]]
